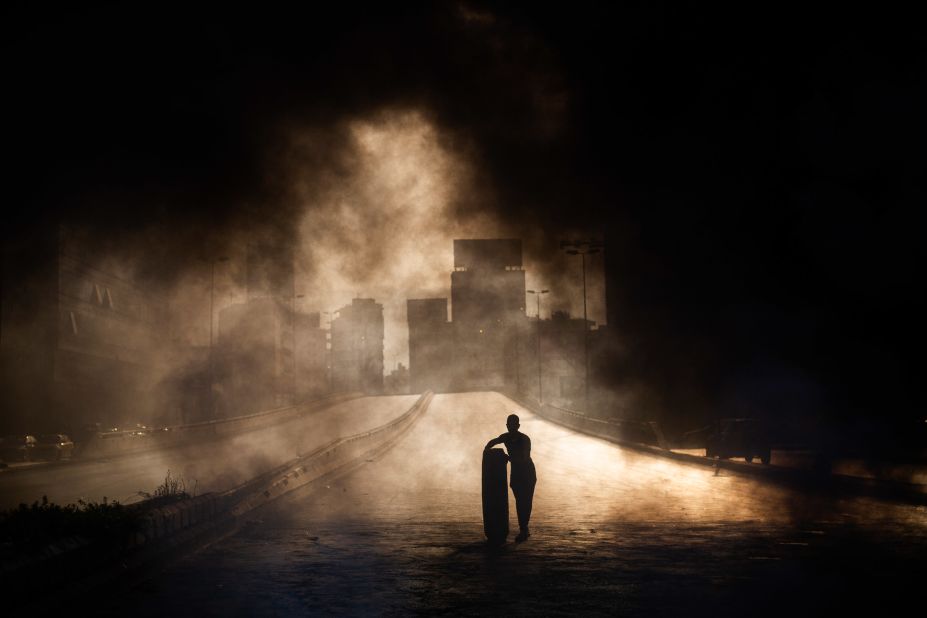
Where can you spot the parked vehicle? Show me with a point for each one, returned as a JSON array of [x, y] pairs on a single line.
[[54, 447], [739, 437], [19, 447]]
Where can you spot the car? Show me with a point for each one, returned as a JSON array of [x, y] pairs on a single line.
[[739, 437], [54, 447], [17, 447]]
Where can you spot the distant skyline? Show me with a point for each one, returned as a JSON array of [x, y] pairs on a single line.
[[755, 171]]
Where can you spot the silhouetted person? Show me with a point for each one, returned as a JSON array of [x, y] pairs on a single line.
[[524, 477]]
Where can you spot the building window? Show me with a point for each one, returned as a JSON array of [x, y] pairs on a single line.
[[101, 296]]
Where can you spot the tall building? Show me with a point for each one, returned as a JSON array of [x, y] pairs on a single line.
[[396, 381], [79, 344], [563, 359], [487, 304], [253, 360], [478, 348], [311, 357], [357, 347], [261, 355], [431, 340]]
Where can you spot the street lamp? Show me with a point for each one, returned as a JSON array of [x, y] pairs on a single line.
[[583, 248], [330, 352], [293, 322], [537, 296], [212, 321]]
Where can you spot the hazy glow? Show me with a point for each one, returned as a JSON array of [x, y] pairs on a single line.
[[433, 474], [378, 223]]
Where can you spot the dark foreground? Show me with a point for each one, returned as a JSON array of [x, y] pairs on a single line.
[[613, 533]]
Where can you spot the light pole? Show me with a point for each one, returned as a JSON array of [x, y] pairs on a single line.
[[537, 296], [329, 352], [212, 321], [583, 248], [293, 322]]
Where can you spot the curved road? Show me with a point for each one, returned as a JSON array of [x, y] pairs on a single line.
[[613, 532]]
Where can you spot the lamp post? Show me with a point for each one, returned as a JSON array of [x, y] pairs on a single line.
[[329, 352], [212, 321], [537, 296], [583, 248], [293, 322]]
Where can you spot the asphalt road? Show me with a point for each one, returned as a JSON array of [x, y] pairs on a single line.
[[614, 532], [213, 466]]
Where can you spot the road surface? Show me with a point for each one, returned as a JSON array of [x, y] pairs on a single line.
[[614, 532], [213, 466]]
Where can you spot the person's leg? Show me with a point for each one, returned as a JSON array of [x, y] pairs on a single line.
[[527, 502], [524, 496]]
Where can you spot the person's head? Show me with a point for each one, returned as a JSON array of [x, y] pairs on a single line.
[[512, 422]]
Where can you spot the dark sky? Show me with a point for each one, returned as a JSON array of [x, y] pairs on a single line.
[[756, 172]]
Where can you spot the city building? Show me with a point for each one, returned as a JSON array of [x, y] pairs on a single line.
[[79, 344], [478, 348], [253, 362], [357, 347], [312, 375], [487, 302], [431, 341], [563, 359], [396, 381]]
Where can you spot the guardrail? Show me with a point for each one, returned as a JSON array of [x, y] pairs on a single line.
[[612, 431], [75, 566], [623, 432], [323, 461], [121, 443]]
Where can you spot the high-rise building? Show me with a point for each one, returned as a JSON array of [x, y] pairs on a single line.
[[487, 303], [357, 347], [264, 346], [311, 357], [254, 363], [431, 341], [80, 344], [478, 348]]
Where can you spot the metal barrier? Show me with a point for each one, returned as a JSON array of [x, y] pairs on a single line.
[[322, 461], [623, 432]]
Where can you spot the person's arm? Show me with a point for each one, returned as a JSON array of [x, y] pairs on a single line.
[[494, 442]]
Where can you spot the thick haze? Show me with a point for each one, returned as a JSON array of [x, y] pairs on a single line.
[[756, 176]]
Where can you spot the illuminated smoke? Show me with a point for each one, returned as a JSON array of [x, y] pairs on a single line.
[[380, 215]]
